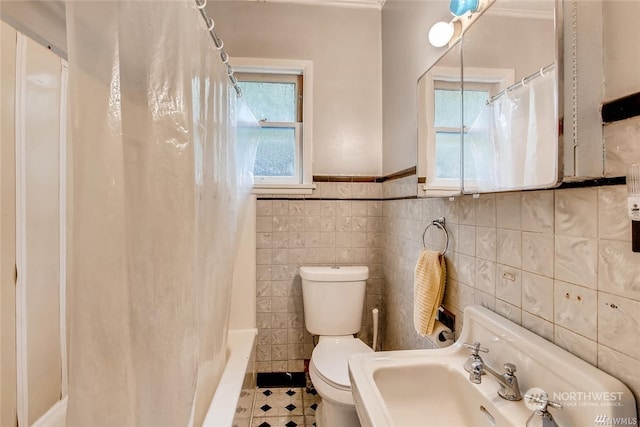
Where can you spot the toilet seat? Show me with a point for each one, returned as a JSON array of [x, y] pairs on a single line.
[[331, 359]]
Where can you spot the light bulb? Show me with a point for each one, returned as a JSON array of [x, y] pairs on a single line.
[[440, 34]]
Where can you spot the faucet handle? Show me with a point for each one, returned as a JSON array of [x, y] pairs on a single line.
[[542, 400], [510, 368], [475, 348]]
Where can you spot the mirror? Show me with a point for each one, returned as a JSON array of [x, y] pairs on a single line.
[[506, 111], [511, 135], [439, 125]]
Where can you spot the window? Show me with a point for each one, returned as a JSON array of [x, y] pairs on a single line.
[[447, 108], [278, 92]]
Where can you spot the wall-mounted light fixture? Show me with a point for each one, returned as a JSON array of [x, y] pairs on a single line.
[[464, 13], [633, 204], [461, 7]]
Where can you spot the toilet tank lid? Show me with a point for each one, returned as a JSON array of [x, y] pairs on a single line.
[[334, 274]]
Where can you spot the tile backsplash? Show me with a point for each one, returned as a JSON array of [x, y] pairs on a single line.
[[558, 262], [296, 232]]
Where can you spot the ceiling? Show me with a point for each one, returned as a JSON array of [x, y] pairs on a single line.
[[367, 4]]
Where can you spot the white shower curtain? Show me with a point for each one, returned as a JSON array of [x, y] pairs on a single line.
[[154, 202], [513, 142]]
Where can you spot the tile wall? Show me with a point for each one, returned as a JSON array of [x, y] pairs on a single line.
[[294, 232], [557, 262]]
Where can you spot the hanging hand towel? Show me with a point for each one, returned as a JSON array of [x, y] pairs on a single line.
[[428, 290]]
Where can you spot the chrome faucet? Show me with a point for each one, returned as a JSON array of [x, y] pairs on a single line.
[[509, 388], [474, 356]]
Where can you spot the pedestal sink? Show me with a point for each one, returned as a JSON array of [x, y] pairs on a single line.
[[431, 388]]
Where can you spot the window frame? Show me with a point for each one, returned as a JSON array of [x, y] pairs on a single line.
[[288, 67]]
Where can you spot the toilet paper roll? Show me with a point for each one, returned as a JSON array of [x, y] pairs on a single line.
[[435, 337]]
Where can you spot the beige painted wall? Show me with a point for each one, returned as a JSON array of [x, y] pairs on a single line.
[[345, 47], [406, 54]]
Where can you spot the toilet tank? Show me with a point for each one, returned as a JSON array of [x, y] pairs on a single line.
[[333, 298]]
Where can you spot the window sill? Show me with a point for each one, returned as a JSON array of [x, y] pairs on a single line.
[[301, 189]]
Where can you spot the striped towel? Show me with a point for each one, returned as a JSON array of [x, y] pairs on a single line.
[[428, 290]]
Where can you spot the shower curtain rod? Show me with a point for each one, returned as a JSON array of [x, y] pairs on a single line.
[[200, 4], [522, 82]]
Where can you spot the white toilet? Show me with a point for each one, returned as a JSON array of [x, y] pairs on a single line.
[[333, 298]]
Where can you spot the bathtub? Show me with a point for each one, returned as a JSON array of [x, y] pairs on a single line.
[[239, 375]]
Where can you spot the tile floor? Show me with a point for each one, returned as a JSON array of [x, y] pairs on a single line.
[[279, 407]]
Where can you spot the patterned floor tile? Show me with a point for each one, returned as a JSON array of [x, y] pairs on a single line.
[[293, 421], [279, 402], [311, 400], [309, 421]]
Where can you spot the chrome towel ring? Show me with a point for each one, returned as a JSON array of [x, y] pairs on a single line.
[[438, 222]]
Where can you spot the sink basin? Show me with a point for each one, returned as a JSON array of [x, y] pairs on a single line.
[[421, 388], [431, 388]]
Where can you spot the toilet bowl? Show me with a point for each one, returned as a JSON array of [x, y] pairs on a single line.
[[333, 299], [330, 376]]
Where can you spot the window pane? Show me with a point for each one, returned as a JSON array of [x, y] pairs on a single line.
[[448, 155], [272, 102], [447, 108], [276, 154], [474, 102]]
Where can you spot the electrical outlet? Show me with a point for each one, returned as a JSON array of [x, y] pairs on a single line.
[[447, 318]]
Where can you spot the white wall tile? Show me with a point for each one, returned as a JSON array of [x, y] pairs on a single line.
[[537, 325], [537, 295], [538, 211], [574, 308], [622, 367], [509, 311], [486, 243], [486, 210], [538, 253], [485, 300], [619, 323], [264, 208], [576, 260], [467, 210], [485, 280], [619, 269], [578, 345], [613, 221], [466, 269], [575, 212], [466, 239], [508, 211], [506, 289], [509, 247], [621, 141]]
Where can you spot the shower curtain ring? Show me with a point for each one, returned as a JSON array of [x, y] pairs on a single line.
[[523, 83], [210, 22], [224, 57], [219, 43], [542, 72], [200, 4]]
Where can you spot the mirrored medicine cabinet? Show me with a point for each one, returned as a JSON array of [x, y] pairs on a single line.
[[490, 108]]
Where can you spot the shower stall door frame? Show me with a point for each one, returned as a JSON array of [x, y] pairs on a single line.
[[22, 397]]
